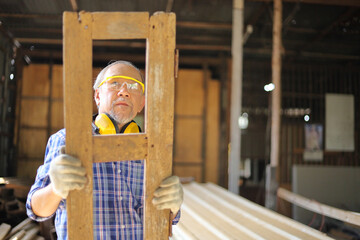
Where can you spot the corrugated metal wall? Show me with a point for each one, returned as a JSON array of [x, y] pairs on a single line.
[[303, 92]]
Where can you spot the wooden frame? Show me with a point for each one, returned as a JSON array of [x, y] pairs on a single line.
[[155, 145]]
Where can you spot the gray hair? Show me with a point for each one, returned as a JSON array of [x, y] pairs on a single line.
[[100, 76]]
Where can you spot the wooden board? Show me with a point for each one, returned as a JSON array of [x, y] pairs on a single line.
[[189, 93], [120, 25], [36, 80], [57, 115], [190, 171], [34, 112], [28, 168], [123, 147], [159, 114], [32, 143], [57, 82], [212, 131], [77, 51], [212, 212], [188, 139]]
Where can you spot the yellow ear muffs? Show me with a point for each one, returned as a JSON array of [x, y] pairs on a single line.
[[106, 124], [132, 127]]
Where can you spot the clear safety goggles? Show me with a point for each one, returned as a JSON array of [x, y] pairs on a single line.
[[117, 82]]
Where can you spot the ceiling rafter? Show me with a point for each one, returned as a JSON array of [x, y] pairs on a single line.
[[197, 47], [21, 15], [346, 15]]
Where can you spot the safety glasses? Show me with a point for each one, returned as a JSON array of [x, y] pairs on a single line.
[[117, 82]]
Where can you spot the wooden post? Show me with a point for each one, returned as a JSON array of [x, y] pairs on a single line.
[[77, 69], [272, 170], [276, 79], [155, 145], [236, 88], [160, 117]]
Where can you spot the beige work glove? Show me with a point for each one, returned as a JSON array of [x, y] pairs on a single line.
[[169, 195], [66, 173]]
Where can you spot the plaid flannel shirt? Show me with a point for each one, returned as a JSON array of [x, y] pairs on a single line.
[[118, 199]]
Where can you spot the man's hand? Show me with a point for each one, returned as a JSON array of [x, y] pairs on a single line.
[[169, 195], [66, 173]]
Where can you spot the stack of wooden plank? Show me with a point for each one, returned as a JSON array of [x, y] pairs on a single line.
[[212, 212], [26, 230]]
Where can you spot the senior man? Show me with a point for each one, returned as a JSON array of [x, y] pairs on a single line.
[[118, 187]]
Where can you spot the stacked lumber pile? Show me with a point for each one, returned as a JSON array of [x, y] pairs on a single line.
[[26, 230], [212, 212]]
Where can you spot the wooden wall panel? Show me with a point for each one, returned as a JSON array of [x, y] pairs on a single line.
[[196, 152], [36, 80], [32, 143], [189, 93], [192, 171], [57, 82], [212, 131], [28, 168], [57, 115], [34, 116], [188, 140], [34, 113]]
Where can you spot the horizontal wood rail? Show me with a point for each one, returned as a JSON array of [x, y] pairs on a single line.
[[312, 205]]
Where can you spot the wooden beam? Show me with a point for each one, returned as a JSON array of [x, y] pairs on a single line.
[[236, 95], [160, 58], [20, 15], [169, 5], [314, 206], [204, 25], [124, 25], [123, 147], [276, 79], [74, 5], [78, 115], [136, 58], [346, 15], [198, 47], [350, 3]]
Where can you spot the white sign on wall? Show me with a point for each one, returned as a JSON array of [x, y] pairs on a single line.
[[339, 122]]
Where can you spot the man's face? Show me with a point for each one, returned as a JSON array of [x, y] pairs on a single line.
[[122, 104]]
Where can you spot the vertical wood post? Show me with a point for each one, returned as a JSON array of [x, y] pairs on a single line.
[[272, 170], [276, 79], [78, 116], [236, 95], [160, 117]]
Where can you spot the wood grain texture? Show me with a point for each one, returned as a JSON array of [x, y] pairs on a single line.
[[119, 147], [36, 81], [78, 116], [160, 117], [120, 25], [212, 131], [211, 212], [317, 207]]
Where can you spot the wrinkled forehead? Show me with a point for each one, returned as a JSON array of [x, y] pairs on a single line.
[[123, 70]]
